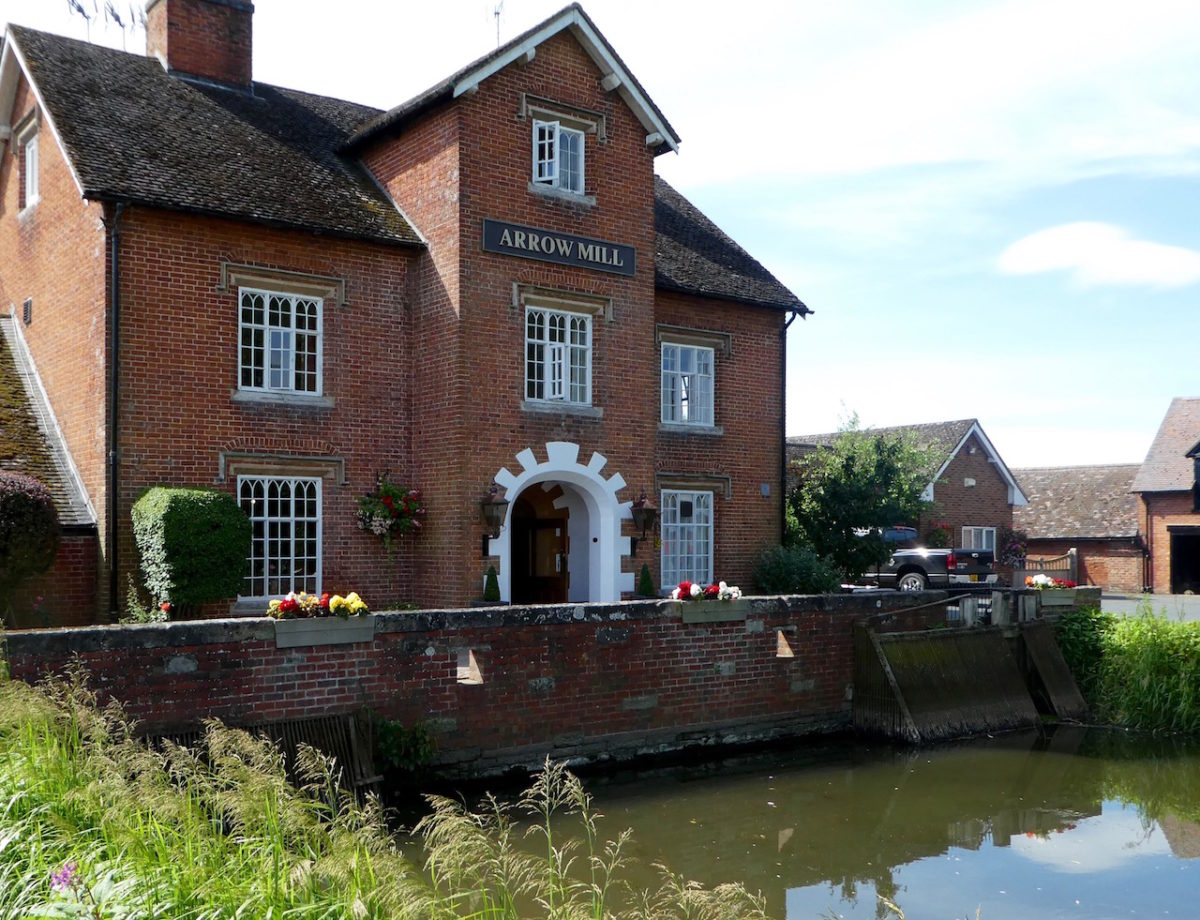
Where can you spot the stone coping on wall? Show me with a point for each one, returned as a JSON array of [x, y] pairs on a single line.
[[53, 642]]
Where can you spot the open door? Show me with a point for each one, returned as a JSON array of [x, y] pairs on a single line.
[[540, 549]]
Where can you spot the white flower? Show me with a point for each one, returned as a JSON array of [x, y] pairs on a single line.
[[729, 592], [674, 594], [696, 590], [380, 526]]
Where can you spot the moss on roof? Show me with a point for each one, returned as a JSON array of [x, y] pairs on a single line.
[[23, 448]]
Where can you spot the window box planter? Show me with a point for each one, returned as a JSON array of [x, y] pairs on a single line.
[[324, 631], [1057, 597], [712, 611]]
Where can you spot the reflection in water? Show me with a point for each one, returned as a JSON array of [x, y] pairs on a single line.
[[1071, 824]]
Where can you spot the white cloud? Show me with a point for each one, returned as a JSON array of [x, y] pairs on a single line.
[[1096, 845], [1100, 254]]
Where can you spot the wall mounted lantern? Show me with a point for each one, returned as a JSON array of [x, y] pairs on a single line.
[[493, 506], [644, 514]]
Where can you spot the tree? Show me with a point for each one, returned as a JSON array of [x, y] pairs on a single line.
[[845, 492]]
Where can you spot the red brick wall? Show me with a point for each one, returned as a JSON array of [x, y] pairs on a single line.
[[957, 505], [1111, 566], [421, 174], [1159, 511], [211, 40], [179, 371], [614, 680], [55, 253], [749, 407], [64, 596]]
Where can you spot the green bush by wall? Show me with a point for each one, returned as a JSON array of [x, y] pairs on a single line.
[[29, 529], [193, 543]]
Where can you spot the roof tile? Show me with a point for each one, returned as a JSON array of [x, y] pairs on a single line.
[[1167, 467], [1078, 502]]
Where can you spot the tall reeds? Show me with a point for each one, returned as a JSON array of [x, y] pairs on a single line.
[[95, 823], [1139, 671]]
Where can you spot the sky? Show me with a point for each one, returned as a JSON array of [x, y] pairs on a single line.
[[990, 205]]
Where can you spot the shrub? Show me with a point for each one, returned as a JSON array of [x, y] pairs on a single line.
[[400, 749], [491, 585], [193, 542], [28, 529], [1081, 636], [645, 585], [795, 569]]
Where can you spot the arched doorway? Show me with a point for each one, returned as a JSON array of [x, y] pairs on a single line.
[[540, 547], [589, 546]]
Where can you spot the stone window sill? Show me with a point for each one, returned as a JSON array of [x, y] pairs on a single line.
[[283, 400], [558, 194], [542, 407], [703, 431]]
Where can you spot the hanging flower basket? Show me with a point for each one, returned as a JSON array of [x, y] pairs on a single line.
[[390, 510]]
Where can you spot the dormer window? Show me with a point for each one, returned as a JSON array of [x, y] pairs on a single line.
[[27, 158], [557, 156]]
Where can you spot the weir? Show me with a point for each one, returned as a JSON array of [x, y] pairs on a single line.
[[932, 685]]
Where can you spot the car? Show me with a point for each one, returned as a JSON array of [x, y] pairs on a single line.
[[912, 567]]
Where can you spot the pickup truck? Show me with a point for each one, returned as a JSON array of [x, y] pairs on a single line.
[[915, 568]]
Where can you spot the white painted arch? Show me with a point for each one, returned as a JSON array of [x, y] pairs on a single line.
[[596, 513]]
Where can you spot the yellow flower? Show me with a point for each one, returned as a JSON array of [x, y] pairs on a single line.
[[336, 603]]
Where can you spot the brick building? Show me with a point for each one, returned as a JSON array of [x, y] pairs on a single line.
[[1091, 510], [971, 495], [1168, 490], [285, 295]]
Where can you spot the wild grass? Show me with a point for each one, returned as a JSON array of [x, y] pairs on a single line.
[[1139, 672], [219, 832]]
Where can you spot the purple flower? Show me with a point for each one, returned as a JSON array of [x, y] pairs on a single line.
[[65, 878]]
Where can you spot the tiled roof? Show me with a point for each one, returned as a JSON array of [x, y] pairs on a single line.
[[692, 255], [136, 133], [1167, 467], [942, 437], [29, 440], [1078, 502]]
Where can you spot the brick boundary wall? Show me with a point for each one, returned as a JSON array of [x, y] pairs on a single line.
[[601, 681]]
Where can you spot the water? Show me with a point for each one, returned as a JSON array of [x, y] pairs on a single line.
[[1077, 824]]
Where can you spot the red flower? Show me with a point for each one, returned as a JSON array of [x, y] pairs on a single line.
[[712, 591], [289, 605], [165, 606], [685, 590], [323, 603]]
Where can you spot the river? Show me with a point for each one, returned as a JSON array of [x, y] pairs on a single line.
[[1073, 823]]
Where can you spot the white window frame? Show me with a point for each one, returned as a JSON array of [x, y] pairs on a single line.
[[973, 537], [298, 567], [272, 347], [555, 147], [687, 546], [558, 356], [27, 144], [687, 395]]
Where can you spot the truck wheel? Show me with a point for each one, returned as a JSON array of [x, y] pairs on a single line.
[[912, 581]]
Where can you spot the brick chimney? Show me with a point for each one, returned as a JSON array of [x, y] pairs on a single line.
[[210, 39]]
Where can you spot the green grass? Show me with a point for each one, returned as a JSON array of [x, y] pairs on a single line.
[[220, 832], [1139, 672]]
